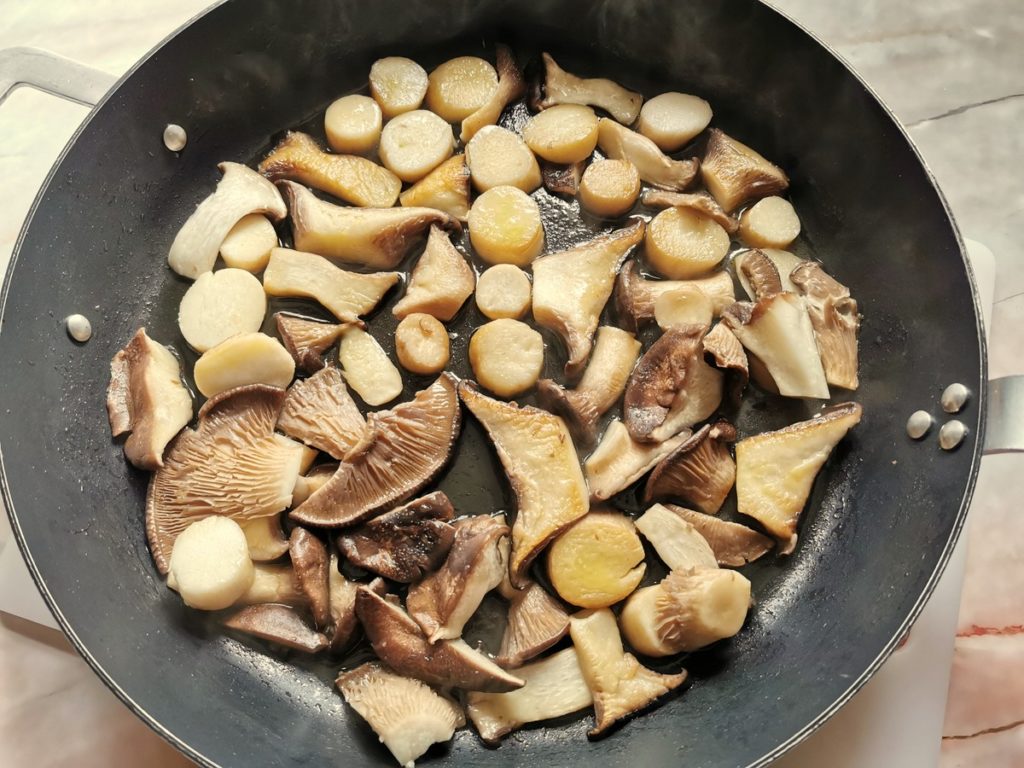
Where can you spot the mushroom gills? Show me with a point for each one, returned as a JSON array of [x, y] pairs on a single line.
[[445, 188], [835, 321], [734, 173], [535, 622], [511, 86], [635, 296], [561, 87], [655, 167], [440, 282], [306, 339], [277, 624], [784, 262], [701, 471], [619, 460], [678, 543], [733, 544], [701, 202], [320, 412]]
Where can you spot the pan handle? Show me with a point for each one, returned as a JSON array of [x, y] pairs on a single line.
[[52, 74], [1004, 430]]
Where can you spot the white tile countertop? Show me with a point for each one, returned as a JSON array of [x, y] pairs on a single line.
[[953, 72]]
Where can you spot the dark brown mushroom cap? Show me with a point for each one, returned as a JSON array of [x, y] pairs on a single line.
[[700, 472], [405, 543], [536, 621], [761, 273], [562, 179], [733, 544], [320, 412], [309, 559], [306, 339], [278, 624]]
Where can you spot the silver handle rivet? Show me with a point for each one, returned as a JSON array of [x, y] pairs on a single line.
[[78, 327], [918, 424], [954, 397], [175, 137], [952, 434]]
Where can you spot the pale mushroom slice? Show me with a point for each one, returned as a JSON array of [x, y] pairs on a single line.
[[775, 470], [835, 320], [342, 601], [619, 460], [536, 621], [378, 238], [604, 380], [313, 480], [354, 179], [401, 644], [445, 188], [677, 541], [273, 584], [701, 202], [784, 262], [733, 544], [412, 443], [232, 464], [511, 86], [240, 191], [307, 339], [621, 685], [278, 624], [406, 543], [320, 412], [407, 715], [265, 538], [570, 289], [734, 173], [540, 461], [672, 388], [635, 296], [562, 179], [554, 687], [700, 472], [146, 398], [440, 282], [561, 87], [620, 143], [310, 563]]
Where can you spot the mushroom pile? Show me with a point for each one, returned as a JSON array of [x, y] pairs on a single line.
[[302, 503]]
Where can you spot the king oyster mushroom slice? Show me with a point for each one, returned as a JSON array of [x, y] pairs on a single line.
[[411, 443], [542, 467], [677, 541], [620, 461], [407, 716], [511, 86], [146, 397], [655, 167], [406, 543], [701, 202], [562, 179], [378, 238], [401, 644], [356, 180], [240, 191], [320, 412], [571, 288], [561, 87], [734, 173], [635, 295], [440, 282], [278, 624], [620, 685], [232, 464], [700, 472], [309, 560], [672, 388], [835, 321], [445, 188], [312, 481], [775, 470], [536, 621], [342, 601], [783, 261], [443, 601], [273, 584], [554, 686], [603, 382], [733, 544], [727, 353], [306, 339]]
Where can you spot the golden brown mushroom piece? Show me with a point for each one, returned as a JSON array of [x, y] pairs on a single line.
[[700, 472], [835, 321], [309, 560], [619, 460], [562, 179], [677, 541], [320, 412], [701, 202], [277, 624], [440, 282], [307, 339], [733, 544], [635, 296], [734, 173], [536, 621], [561, 87], [654, 166], [445, 188], [511, 86]]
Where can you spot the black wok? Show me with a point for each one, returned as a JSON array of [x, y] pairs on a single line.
[[885, 513]]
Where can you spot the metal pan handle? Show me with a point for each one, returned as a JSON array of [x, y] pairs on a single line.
[[52, 74], [1004, 431]]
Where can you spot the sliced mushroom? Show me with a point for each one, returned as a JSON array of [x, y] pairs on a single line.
[[312, 481], [775, 470], [620, 461], [636, 296], [278, 624], [734, 173], [620, 685], [412, 443], [554, 686], [210, 565], [542, 467], [232, 464], [733, 544], [241, 191], [309, 560], [445, 188], [378, 238], [146, 397], [407, 716], [701, 202], [440, 282], [354, 179], [784, 262], [672, 387], [701, 471], [320, 412], [402, 645], [761, 276], [835, 321], [306, 339], [511, 86], [342, 599], [603, 382], [727, 353], [562, 179], [536, 622], [677, 541], [265, 538], [406, 543], [570, 289], [273, 584], [655, 167], [561, 87]]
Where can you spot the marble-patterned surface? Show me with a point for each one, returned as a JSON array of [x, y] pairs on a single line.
[[952, 70]]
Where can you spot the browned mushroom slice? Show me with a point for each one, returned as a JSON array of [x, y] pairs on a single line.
[[412, 443], [571, 288], [672, 387], [775, 470], [445, 188], [783, 261], [316, 478], [511, 86], [562, 179], [440, 282], [278, 624], [654, 166], [536, 622], [444, 601], [542, 467], [620, 461], [835, 321], [405, 543], [146, 397], [701, 471], [309, 559], [233, 464], [320, 412], [727, 353], [635, 296], [732, 543], [561, 87], [760, 273], [378, 238], [677, 541], [342, 600], [734, 173], [402, 645], [701, 202], [306, 339]]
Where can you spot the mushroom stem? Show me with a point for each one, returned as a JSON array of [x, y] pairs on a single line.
[[636, 296]]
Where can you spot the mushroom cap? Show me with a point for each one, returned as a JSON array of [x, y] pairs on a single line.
[[734, 173], [320, 412], [701, 471], [278, 624], [306, 339], [835, 320], [536, 621], [309, 559]]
